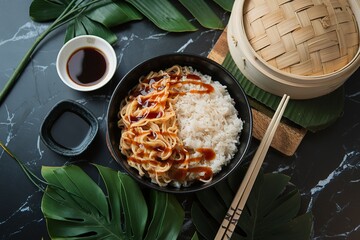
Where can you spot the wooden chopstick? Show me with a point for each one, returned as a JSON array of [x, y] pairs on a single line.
[[233, 215]]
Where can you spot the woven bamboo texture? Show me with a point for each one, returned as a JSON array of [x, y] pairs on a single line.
[[303, 37]]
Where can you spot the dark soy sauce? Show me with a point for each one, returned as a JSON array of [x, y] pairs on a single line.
[[70, 130], [86, 66]]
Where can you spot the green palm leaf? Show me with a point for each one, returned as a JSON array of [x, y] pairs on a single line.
[[163, 14], [225, 4], [160, 227], [271, 211], [108, 12], [111, 13], [114, 13], [84, 25], [76, 207], [203, 13], [95, 19], [42, 11]]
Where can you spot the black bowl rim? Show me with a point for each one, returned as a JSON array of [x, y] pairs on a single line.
[[56, 111], [146, 182]]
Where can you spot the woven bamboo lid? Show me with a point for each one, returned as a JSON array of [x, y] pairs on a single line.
[[302, 37]]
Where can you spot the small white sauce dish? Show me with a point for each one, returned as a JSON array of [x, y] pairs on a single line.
[[83, 42]]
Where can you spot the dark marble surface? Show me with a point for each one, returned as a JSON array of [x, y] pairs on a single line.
[[325, 167]]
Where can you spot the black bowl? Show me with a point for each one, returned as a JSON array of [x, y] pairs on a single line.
[[205, 66], [83, 124]]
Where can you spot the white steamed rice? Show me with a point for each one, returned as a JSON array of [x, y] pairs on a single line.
[[209, 121]]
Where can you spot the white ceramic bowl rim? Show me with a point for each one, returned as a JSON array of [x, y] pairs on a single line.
[[86, 41]]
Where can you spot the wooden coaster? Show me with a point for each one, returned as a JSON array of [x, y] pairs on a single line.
[[287, 138]]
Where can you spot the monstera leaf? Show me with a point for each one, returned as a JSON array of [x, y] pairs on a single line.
[[75, 207], [271, 211]]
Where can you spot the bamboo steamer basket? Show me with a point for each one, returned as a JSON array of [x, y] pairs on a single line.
[[304, 48]]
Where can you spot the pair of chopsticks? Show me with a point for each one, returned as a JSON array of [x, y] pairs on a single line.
[[233, 215]]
